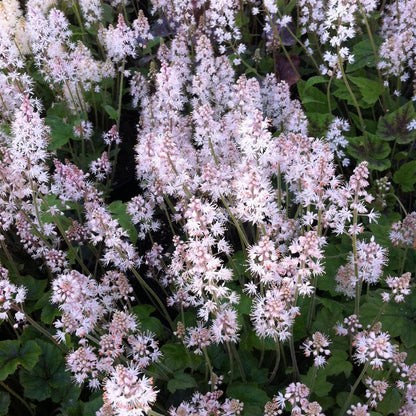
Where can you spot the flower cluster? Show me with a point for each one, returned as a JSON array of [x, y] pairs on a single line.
[[296, 395], [373, 346], [11, 298], [318, 348], [237, 201]]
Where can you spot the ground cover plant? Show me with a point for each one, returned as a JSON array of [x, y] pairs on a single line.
[[207, 208]]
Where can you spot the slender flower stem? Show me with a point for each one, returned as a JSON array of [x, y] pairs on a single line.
[[153, 413], [354, 387], [373, 46], [240, 231], [314, 374], [12, 264], [354, 100], [17, 396], [355, 260], [276, 364], [41, 329], [211, 371], [286, 53], [296, 373], [155, 297], [239, 363], [231, 359]]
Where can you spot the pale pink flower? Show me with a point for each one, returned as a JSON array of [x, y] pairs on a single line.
[[101, 167], [119, 41], [358, 410], [317, 347], [400, 287], [83, 364], [126, 389], [272, 315], [12, 297], [374, 347], [375, 391]]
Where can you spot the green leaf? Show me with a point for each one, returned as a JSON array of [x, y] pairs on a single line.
[[342, 92], [244, 305], [241, 19], [313, 99], [248, 393], [342, 397], [175, 356], [143, 311], [379, 164], [325, 318], [35, 287], [364, 54], [266, 65], [61, 132], [406, 176], [4, 403], [321, 387], [118, 209], [252, 410], [48, 311], [369, 89], [397, 319], [259, 375], [373, 150], [338, 363], [318, 79], [370, 125], [58, 110], [301, 322], [111, 111], [48, 378], [238, 262], [393, 126], [29, 354], [390, 403], [153, 325], [12, 355], [318, 123], [107, 12], [332, 305], [250, 340], [181, 381], [151, 44], [92, 406]]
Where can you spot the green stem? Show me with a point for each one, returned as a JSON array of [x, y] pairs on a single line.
[[300, 43], [239, 363], [211, 371], [314, 374], [276, 364], [355, 260], [296, 373], [155, 297], [17, 396], [354, 99], [241, 233], [400, 204], [354, 387], [153, 413], [231, 359], [41, 329], [78, 16], [120, 92], [12, 263], [373, 46], [286, 53], [403, 261]]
